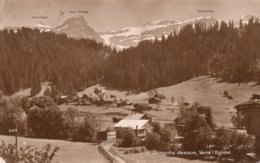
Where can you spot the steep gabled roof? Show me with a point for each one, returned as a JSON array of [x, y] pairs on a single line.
[[252, 104]]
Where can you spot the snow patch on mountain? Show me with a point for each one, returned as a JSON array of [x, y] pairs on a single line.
[[131, 36], [136, 31], [106, 38], [43, 27]]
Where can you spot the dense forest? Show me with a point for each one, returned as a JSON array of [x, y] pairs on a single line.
[[29, 57], [222, 51]]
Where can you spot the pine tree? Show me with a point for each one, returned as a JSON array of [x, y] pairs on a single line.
[[36, 85]]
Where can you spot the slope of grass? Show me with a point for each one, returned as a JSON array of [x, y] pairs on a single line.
[[70, 152], [204, 90]]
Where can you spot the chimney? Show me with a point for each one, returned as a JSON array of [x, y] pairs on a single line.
[[136, 130]]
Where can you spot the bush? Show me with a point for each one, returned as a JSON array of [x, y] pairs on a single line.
[[45, 119], [162, 138], [152, 141], [197, 137], [128, 139], [240, 145], [167, 134], [197, 134], [238, 120], [25, 104], [200, 108], [225, 93], [69, 122], [27, 154], [222, 139], [81, 130], [230, 97], [138, 142], [84, 131]]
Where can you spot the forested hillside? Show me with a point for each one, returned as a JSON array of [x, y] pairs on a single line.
[[28, 57], [222, 50]]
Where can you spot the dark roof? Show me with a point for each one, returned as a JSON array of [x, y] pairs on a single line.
[[251, 104]]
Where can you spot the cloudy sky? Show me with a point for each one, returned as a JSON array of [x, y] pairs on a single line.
[[106, 15]]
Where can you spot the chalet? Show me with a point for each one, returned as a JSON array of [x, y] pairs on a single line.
[[140, 107], [141, 127], [140, 123], [157, 98], [154, 100], [251, 113]]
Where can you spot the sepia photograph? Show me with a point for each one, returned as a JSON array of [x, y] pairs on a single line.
[[129, 81]]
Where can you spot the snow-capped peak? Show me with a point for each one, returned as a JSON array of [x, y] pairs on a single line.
[[131, 36], [42, 25], [202, 19], [162, 22], [77, 27]]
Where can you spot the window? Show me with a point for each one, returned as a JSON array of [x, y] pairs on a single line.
[[141, 131]]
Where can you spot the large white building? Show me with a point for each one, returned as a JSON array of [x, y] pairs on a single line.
[[137, 122]]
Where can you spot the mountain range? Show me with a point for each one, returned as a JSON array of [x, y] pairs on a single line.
[[77, 27], [131, 36]]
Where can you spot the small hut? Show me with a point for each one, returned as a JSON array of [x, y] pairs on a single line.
[[140, 107]]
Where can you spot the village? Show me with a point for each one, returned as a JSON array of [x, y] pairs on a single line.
[[125, 124], [142, 122], [138, 119]]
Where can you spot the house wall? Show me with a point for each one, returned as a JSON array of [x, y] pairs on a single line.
[[141, 133], [111, 136]]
